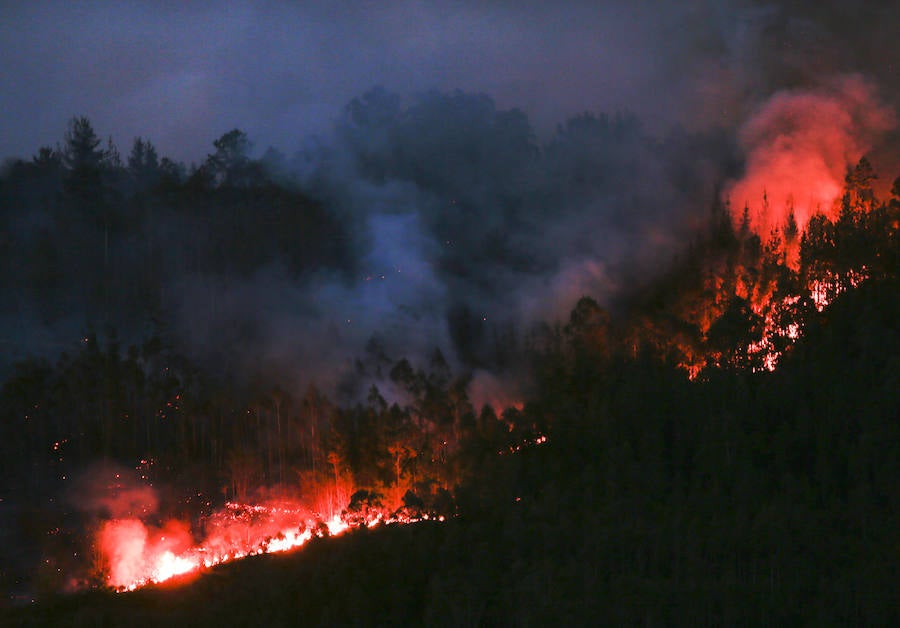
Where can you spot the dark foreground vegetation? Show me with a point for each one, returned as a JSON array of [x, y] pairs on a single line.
[[746, 499]]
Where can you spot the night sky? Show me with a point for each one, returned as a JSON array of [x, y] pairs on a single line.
[[183, 75]]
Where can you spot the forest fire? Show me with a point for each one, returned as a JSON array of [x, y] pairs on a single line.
[[136, 555], [767, 346], [131, 553], [741, 303]]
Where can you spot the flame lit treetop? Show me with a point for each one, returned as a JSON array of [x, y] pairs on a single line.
[[741, 299]]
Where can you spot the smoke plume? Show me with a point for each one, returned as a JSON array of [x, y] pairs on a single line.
[[799, 145]]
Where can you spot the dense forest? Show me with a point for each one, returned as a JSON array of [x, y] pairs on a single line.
[[720, 444]]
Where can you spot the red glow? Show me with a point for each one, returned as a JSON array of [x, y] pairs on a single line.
[[799, 145], [136, 554]]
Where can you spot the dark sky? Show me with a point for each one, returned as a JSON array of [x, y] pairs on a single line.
[[183, 75]]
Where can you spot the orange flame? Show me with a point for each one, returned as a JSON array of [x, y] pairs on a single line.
[[137, 555], [799, 145]]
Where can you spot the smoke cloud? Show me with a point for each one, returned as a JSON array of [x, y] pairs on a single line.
[[185, 74], [108, 490], [799, 146], [467, 231]]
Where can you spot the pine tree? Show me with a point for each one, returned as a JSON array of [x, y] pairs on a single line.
[[81, 150]]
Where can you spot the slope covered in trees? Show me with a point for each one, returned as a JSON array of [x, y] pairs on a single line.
[[720, 446], [747, 497]]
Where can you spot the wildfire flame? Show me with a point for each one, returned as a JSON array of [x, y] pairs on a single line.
[[131, 553], [134, 554], [138, 555], [799, 146]]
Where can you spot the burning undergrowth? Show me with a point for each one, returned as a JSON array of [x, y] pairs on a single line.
[[134, 544], [132, 552]]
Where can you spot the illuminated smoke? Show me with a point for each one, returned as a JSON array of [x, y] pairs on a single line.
[[109, 490], [135, 552], [799, 146]]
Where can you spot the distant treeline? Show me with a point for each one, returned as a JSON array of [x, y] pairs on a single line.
[[92, 237]]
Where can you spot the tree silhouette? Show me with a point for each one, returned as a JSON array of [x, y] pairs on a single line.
[[231, 164], [143, 163], [81, 145]]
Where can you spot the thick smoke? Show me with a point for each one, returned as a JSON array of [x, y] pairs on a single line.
[[303, 331], [467, 231], [184, 74], [799, 146]]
